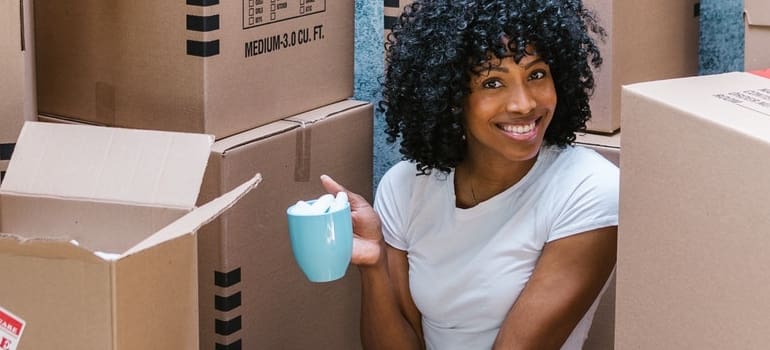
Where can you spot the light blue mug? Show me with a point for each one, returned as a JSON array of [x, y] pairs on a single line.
[[322, 243]]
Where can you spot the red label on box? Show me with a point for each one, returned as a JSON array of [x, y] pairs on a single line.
[[10, 323], [11, 328]]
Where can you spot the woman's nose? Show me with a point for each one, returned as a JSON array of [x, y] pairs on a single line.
[[520, 101]]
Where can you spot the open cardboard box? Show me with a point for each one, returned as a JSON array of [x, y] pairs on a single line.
[[98, 246]]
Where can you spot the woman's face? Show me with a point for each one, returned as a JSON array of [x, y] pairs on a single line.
[[508, 109]]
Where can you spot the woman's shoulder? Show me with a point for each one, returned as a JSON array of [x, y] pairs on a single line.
[[402, 171], [573, 166], [403, 180], [581, 159]]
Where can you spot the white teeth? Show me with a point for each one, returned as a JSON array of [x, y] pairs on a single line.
[[519, 129]]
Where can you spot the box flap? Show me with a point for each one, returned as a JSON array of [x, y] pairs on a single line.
[[44, 248], [737, 100], [198, 217], [757, 12], [326, 111], [108, 164], [262, 132]]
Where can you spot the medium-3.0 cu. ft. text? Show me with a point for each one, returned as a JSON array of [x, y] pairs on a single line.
[[283, 41]]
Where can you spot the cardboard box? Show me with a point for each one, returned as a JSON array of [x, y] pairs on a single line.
[[252, 293], [756, 19], [647, 40], [17, 98], [693, 244], [607, 145], [200, 66], [98, 246]]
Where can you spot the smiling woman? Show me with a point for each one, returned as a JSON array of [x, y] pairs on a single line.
[[495, 232]]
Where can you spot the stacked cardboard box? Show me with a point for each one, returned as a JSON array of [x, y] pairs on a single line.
[[693, 244], [647, 40], [97, 236], [17, 100], [252, 294], [756, 18], [200, 66], [262, 77]]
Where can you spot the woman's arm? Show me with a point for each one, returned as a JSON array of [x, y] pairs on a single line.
[[389, 318], [567, 279]]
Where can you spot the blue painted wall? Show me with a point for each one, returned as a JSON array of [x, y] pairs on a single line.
[[721, 37], [369, 67]]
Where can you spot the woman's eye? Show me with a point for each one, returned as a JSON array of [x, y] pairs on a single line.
[[491, 84], [537, 75]]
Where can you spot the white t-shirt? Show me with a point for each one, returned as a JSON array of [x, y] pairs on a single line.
[[468, 266]]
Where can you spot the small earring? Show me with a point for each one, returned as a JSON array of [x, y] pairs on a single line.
[[463, 137]]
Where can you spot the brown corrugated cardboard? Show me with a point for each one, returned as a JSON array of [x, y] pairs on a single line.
[[647, 40], [199, 66], [252, 293], [756, 19], [17, 98], [693, 245], [98, 246]]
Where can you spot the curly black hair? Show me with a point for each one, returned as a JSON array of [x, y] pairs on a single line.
[[435, 46]]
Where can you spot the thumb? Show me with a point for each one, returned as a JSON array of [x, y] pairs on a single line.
[[331, 186]]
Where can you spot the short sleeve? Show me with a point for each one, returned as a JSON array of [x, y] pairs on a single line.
[[391, 202], [589, 197]]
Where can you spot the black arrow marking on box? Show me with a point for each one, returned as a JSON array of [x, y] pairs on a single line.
[[227, 279], [236, 345], [202, 23], [390, 21], [228, 327], [227, 303]]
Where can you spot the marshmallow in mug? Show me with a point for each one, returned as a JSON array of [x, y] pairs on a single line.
[[326, 203]]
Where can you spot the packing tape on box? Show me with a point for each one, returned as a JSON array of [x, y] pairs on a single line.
[[302, 157]]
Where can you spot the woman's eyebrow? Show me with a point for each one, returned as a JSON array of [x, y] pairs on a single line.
[[530, 64], [500, 68]]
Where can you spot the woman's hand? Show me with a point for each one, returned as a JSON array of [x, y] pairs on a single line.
[[368, 246]]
